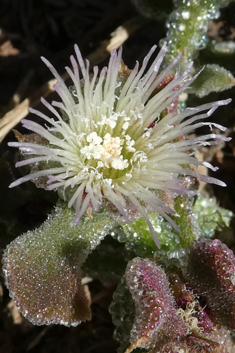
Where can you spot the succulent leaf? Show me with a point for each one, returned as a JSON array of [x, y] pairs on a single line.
[[156, 316], [210, 271], [42, 267], [213, 78]]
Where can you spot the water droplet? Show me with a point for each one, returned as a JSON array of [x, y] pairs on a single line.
[[186, 15]]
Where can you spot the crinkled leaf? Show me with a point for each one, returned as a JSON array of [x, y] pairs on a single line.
[[42, 267], [162, 314], [210, 271], [156, 316]]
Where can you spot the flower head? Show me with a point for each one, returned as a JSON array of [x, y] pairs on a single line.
[[111, 141]]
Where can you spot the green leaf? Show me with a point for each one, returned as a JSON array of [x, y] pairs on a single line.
[[42, 267], [213, 78], [138, 239], [211, 218]]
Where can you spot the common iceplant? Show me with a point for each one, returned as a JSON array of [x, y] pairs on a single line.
[[116, 150], [112, 142]]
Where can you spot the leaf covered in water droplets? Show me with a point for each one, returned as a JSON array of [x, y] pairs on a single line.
[[155, 310], [210, 271], [213, 78], [42, 267]]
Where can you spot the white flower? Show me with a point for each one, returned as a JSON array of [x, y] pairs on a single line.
[[112, 144]]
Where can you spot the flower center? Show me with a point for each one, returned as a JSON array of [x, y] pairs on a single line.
[[107, 151]]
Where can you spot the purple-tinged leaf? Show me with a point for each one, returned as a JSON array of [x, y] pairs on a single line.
[[210, 271], [156, 316]]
